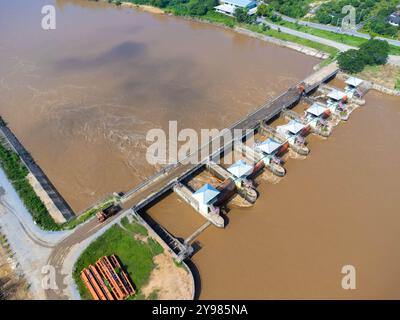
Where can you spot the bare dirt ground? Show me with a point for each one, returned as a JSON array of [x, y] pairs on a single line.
[[169, 281], [143, 7], [12, 285], [386, 75]]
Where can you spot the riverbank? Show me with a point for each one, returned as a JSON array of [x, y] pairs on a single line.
[[13, 285], [143, 7], [19, 176], [30, 246], [346, 39], [299, 44]]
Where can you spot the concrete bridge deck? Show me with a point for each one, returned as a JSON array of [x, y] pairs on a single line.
[[156, 186], [163, 181]]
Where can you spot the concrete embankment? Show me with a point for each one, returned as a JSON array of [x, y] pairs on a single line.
[[300, 48], [60, 210]]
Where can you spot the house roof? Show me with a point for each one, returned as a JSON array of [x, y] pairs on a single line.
[[394, 18], [336, 95], [205, 194], [316, 109], [355, 82], [240, 169], [226, 8], [269, 146], [293, 126], [239, 3]]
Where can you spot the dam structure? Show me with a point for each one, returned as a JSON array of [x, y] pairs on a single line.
[[208, 200], [170, 178]]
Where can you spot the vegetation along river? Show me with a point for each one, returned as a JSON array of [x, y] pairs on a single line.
[[81, 99]]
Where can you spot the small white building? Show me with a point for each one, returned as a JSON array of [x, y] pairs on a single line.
[[293, 127], [240, 169], [206, 196], [336, 95], [269, 146], [317, 109], [228, 7], [354, 82]]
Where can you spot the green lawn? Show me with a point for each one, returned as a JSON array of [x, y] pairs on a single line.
[[87, 214], [136, 255], [342, 38], [134, 227], [288, 37], [17, 173]]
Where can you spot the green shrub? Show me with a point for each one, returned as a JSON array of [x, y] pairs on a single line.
[[376, 52], [351, 61], [397, 85], [372, 52], [17, 173]]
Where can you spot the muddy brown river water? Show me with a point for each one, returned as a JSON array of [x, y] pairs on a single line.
[[81, 99]]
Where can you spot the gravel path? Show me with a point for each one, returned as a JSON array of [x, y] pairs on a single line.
[[394, 60], [31, 245]]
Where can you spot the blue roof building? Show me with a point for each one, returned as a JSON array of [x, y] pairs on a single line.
[[269, 146], [240, 169], [228, 7], [206, 194], [240, 3]]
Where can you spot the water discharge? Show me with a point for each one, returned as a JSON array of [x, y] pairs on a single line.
[[82, 98]]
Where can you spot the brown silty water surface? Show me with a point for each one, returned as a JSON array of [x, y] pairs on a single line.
[[81, 98], [337, 207]]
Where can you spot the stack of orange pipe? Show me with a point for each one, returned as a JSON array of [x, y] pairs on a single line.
[[97, 277]]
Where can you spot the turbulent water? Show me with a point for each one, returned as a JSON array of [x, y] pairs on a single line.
[[82, 97]]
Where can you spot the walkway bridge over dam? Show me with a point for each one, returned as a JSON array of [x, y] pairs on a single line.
[[152, 189]]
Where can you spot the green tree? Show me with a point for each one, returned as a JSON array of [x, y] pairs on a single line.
[[376, 52], [397, 85], [265, 10], [351, 61], [241, 14]]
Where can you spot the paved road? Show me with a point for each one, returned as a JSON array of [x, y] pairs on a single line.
[[331, 43], [336, 29], [394, 60]]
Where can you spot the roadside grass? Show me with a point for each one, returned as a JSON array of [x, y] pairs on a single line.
[[136, 257], [394, 50], [374, 34], [341, 38], [17, 173], [291, 38], [134, 227], [87, 214], [219, 18]]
